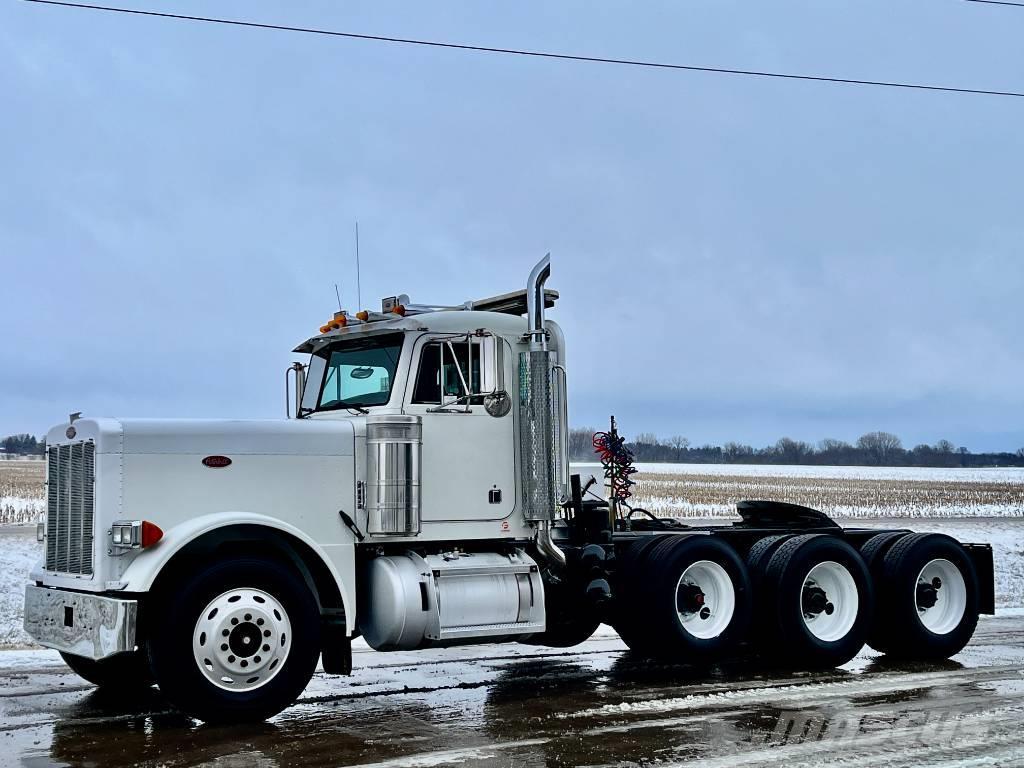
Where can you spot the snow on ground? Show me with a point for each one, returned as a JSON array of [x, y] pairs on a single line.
[[18, 555]]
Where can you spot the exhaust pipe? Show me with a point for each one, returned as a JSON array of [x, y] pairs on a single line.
[[536, 419], [547, 547], [535, 304]]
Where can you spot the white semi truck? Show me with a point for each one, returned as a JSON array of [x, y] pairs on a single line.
[[419, 495]]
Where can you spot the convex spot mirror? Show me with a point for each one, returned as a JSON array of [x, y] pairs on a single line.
[[498, 404], [361, 373]]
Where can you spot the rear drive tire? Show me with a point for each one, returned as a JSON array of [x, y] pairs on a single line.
[[238, 642], [817, 602], [873, 553], [696, 601], [629, 590], [761, 553], [929, 602], [123, 672]]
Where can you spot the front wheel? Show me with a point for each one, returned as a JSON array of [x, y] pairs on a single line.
[[238, 642], [123, 672]]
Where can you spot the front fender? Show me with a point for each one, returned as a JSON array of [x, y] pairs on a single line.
[[339, 559]]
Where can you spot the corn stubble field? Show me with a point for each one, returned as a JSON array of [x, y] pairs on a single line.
[[21, 491], [697, 495], [712, 490]]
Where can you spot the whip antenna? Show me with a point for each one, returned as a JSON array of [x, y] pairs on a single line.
[[359, 287]]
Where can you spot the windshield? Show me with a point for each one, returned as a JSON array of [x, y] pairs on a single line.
[[352, 374]]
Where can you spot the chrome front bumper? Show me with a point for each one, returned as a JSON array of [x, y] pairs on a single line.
[[85, 625]]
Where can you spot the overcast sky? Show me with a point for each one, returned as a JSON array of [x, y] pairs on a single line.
[[738, 258]]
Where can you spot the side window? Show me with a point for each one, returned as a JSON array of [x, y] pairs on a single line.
[[445, 370]]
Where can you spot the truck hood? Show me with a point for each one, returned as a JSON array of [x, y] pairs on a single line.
[[228, 437]]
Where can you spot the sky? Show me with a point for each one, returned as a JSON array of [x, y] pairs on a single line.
[[738, 258]]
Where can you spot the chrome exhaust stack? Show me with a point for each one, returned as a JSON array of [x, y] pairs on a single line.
[[535, 304], [537, 419]]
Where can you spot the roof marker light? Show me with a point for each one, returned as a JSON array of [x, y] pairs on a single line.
[[363, 315]]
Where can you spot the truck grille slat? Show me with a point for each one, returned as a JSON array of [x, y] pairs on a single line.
[[70, 501]]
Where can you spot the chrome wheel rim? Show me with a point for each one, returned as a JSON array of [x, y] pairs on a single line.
[[242, 639], [829, 601], [705, 599], [941, 596]]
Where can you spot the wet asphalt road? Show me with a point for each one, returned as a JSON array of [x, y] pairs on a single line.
[[526, 706]]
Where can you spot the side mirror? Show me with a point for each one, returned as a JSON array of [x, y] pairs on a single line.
[[296, 371]]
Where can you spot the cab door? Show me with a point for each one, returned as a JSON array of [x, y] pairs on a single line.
[[457, 382]]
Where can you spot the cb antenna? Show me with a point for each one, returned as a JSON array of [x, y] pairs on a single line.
[[359, 287], [338, 294]]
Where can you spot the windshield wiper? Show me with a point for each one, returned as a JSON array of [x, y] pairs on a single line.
[[357, 408]]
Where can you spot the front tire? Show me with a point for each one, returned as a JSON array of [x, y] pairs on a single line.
[[123, 672], [238, 642]]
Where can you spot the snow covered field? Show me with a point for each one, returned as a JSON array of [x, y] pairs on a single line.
[[712, 490]]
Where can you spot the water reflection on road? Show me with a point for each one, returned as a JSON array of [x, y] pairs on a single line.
[[524, 706]]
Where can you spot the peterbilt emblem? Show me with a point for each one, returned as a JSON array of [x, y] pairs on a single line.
[[70, 433], [216, 461]]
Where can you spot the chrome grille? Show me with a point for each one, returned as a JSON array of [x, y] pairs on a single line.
[[70, 501]]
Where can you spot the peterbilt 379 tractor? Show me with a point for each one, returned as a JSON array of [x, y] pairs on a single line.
[[419, 495]]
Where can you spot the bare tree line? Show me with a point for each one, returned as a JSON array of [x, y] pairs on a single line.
[[870, 449]]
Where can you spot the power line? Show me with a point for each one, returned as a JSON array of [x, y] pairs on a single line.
[[997, 2], [530, 53]]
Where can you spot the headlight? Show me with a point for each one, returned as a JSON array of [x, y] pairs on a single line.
[[134, 534], [126, 534]]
